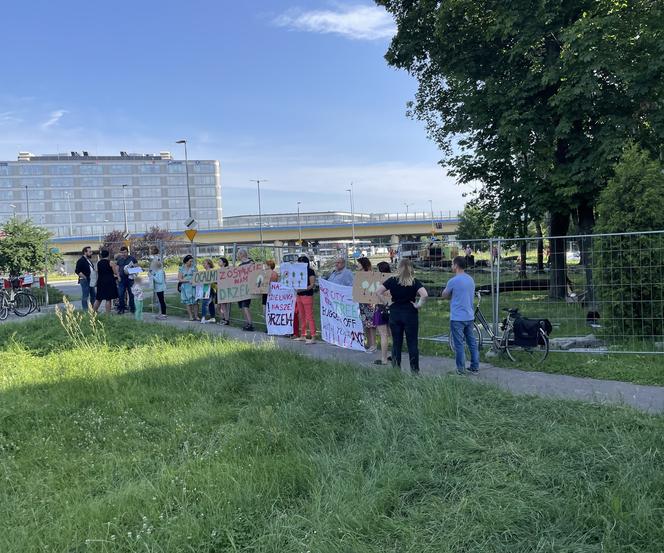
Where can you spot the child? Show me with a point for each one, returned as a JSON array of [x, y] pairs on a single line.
[[159, 286], [137, 290]]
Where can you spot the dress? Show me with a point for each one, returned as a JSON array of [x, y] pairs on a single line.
[[367, 313], [187, 291], [107, 289]]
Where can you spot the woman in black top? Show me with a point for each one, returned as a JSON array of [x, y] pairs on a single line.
[[408, 296], [107, 274], [305, 305]]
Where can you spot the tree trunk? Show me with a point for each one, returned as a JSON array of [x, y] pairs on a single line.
[[559, 227], [586, 217], [524, 250], [540, 246]]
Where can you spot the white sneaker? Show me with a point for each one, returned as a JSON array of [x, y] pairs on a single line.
[[213, 320], [203, 321]]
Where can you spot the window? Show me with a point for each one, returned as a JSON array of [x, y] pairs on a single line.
[[149, 168], [4, 169], [125, 169], [202, 167], [119, 181], [176, 192], [6, 183], [176, 167], [205, 180], [91, 169], [6, 194], [149, 181], [204, 192], [62, 182], [92, 181], [93, 205], [60, 206], [60, 170], [150, 192], [173, 204], [180, 180], [31, 170], [151, 216], [58, 194], [91, 193], [117, 193], [35, 194]]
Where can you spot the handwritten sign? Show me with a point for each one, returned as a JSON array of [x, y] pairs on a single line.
[[233, 282], [259, 281], [340, 316], [205, 277], [294, 275], [365, 284], [203, 291], [280, 310]]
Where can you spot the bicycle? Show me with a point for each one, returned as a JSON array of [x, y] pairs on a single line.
[[506, 341], [20, 302]]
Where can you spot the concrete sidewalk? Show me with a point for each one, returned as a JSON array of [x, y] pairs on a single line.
[[649, 399]]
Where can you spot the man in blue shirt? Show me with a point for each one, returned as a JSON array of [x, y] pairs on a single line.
[[341, 275], [460, 290]]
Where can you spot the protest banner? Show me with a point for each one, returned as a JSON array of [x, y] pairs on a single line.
[[233, 282], [293, 275], [259, 281], [340, 316], [280, 310], [365, 284], [205, 277]]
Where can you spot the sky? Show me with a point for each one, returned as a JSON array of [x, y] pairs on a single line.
[[295, 92]]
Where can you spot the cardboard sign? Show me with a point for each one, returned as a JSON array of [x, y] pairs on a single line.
[[259, 281], [365, 284], [233, 282], [133, 270], [205, 277], [203, 291], [280, 310], [294, 275], [340, 316]]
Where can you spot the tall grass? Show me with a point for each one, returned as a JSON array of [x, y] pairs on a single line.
[[185, 443]]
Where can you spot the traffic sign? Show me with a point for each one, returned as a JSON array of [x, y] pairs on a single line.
[[190, 223], [126, 236], [191, 233]]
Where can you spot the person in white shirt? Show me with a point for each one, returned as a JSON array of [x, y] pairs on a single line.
[[137, 291]]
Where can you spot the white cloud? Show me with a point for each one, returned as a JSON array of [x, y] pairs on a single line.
[[54, 118], [356, 22]]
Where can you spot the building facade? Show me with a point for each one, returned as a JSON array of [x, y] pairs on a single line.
[[81, 195]]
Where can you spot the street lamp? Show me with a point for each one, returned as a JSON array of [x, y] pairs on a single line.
[[14, 208], [71, 226], [27, 202], [407, 206], [299, 226], [433, 226], [352, 210], [260, 212], [101, 230], [186, 170], [124, 208]]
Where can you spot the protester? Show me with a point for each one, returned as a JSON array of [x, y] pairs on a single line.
[[224, 307], [460, 290], [341, 275], [87, 277], [159, 286], [274, 277], [107, 275], [367, 312], [381, 322], [408, 296], [245, 305], [187, 291], [137, 292], [208, 265], [305, 305], [124, 262]]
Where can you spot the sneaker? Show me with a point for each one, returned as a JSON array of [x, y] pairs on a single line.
[[248, 328], [474, 371], [372, 349], [460, 373], [299, 339], [203, 321], [212, 320], [310, 341]]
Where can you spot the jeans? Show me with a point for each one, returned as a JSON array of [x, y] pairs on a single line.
[[207, 305], [304, 305], [138, 313], [87, 293], [125, 286], [404, 319], [464, 331]]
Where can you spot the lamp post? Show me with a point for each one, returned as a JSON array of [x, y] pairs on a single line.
[[433, 226], [71, 226], [260, 212], [27, 203], [186, 170], [407, 206], [299, 226], [124, 208], [352, 211], [101, 230], [14, 208]]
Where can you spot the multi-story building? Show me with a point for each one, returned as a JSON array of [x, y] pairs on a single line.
[[81, 195]]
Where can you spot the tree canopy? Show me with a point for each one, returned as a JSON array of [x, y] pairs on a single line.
[[24, 248]]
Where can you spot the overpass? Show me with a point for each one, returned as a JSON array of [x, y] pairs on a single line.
[[280, 228]]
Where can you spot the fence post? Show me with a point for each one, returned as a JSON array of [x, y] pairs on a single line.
[[46, 246], [496, 316]]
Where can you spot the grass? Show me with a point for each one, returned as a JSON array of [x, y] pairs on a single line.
[[174, 442]]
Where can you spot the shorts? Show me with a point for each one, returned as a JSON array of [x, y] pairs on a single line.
[[244, 303]]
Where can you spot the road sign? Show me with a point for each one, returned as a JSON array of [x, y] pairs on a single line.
[[126, 236], [190, 223], [191, 233]]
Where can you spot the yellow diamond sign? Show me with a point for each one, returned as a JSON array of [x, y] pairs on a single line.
[[191, 234]]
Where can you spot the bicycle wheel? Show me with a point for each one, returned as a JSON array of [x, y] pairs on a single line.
[[23, 304], [478, 336], [528, 355], [4, 307]]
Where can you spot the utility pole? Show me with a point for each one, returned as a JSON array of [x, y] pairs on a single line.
[[186, 170], [352, 211], [260, 211], [299, 226], [27, 203]]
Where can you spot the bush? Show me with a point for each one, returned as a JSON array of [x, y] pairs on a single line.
[[630, 268]]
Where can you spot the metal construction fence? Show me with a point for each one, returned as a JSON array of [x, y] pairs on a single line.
[[601, 293]]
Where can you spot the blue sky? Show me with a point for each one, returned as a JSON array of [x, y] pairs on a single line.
[[293, 91]]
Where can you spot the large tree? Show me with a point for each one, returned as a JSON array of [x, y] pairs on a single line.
[[24, 248], [535, 100]]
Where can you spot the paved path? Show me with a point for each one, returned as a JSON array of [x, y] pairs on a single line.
[[644, 398]]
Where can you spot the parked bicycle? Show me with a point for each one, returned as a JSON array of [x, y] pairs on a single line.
[[21, 302], [522, 340]]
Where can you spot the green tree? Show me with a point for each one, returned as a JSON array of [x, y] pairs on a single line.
[[24, 248], [155, 237], [630, 268], [475, 224]]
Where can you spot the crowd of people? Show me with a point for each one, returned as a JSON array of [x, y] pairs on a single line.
[[118, 280]]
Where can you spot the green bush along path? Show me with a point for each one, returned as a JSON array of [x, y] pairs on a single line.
[[159, 440]]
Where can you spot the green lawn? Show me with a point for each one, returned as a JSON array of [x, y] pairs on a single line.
[[160, 441]]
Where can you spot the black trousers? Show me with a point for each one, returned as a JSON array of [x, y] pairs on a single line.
[[404, 319], [162, 303]]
